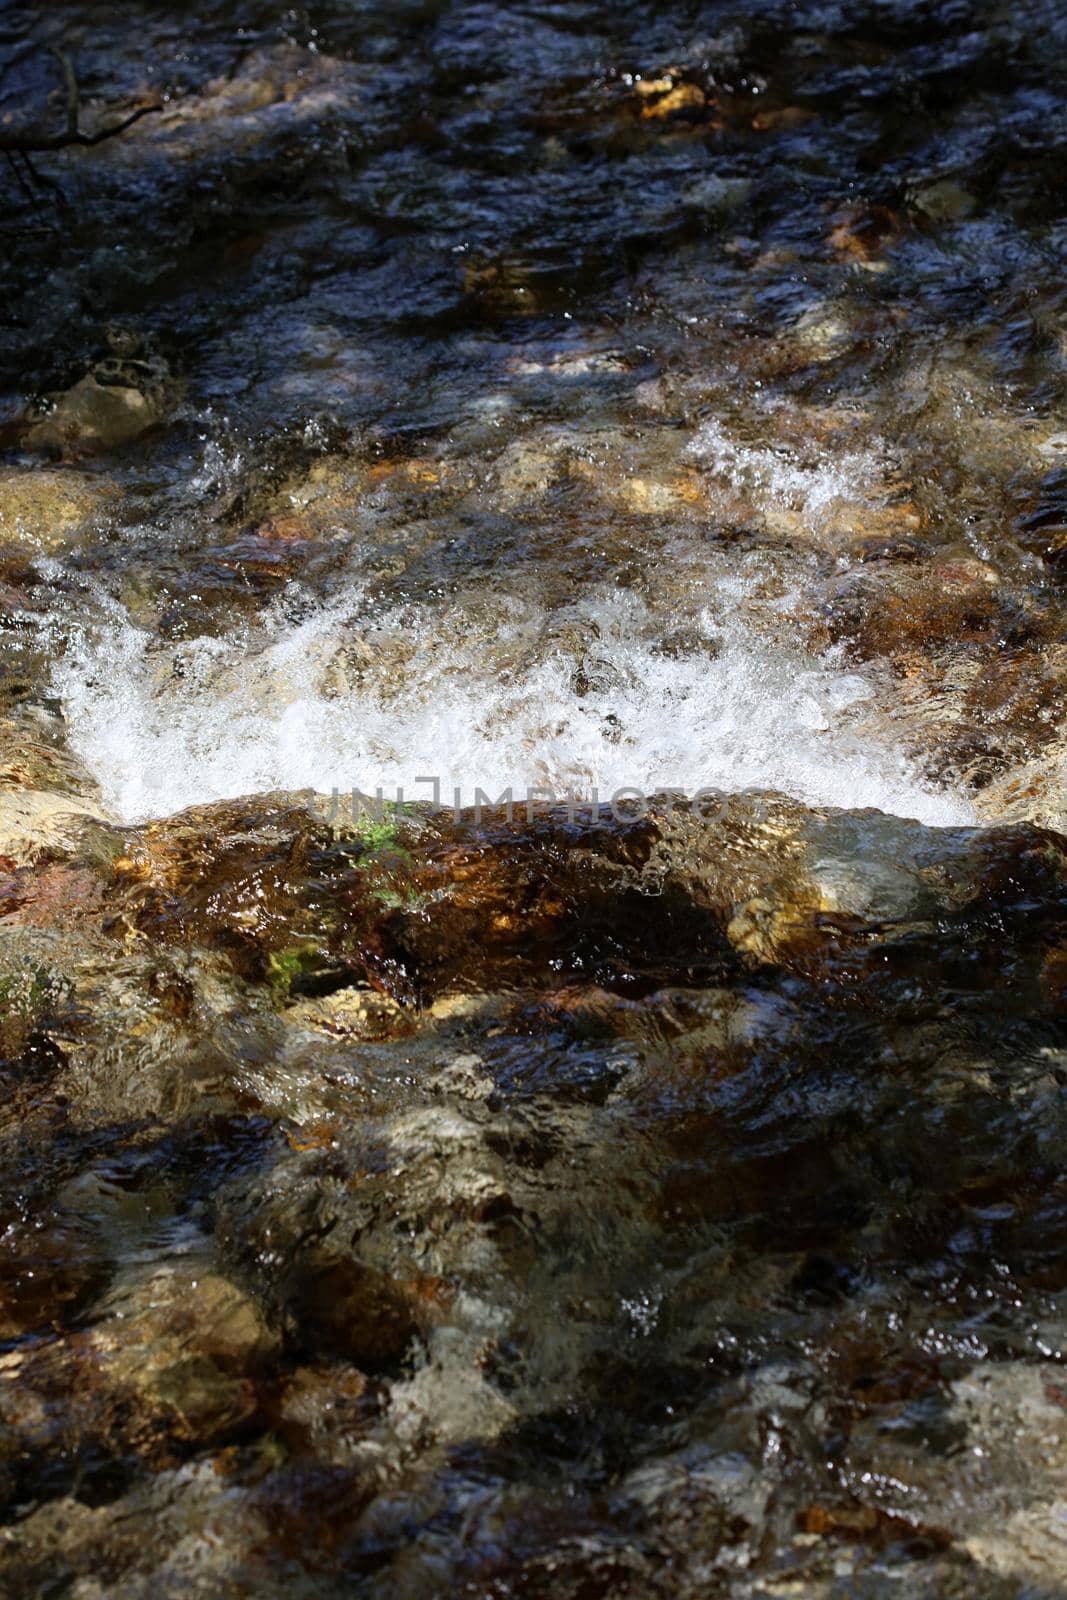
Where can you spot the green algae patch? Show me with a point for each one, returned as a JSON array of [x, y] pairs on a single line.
[[376, 834], [286, 967]]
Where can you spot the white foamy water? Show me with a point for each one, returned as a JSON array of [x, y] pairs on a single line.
[[778, 480], [168, 726]]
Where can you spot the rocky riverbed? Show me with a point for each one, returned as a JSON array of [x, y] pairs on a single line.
[[652, 1186]]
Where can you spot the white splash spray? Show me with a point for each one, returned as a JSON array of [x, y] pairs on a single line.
[[167, 726]]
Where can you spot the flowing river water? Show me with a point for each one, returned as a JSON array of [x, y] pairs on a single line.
[[654, 414]]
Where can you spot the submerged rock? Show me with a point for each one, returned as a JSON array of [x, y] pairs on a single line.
[[1035, 791], [36, 823], [49, 1267], [111, 406], [351, 1013], [186, 1345], [343, 1291], [34, 755], [47, 509], [620, 1087]]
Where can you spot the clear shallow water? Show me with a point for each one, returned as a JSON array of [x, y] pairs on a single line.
[[580, 397]]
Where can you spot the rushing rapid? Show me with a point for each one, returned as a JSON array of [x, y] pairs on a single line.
[[165, 728], [703, 679]]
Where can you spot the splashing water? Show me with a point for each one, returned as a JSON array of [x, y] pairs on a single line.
[[168, 726]]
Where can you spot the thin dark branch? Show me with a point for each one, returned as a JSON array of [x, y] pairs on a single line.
[[120, 127], [14, 144], [41, 180], [18, 176]]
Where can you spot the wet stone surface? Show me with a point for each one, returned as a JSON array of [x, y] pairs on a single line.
[[708, 1236], [658, 1199]]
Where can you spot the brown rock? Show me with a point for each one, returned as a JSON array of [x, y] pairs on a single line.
[[48, 508], [48, 1268], [35, 823], [93, 416], [352, 1013], [186, 1343], [682, 100], [952, 596]]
